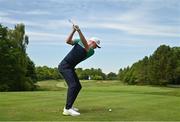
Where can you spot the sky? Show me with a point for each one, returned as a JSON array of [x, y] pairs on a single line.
[[129, 29]]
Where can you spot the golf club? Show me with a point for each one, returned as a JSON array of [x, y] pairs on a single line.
[[71, 21], [74, 25]]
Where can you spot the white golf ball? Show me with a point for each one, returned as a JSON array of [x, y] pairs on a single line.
[[110, 110]]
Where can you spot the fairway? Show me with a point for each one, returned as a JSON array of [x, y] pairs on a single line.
[[96, 98]]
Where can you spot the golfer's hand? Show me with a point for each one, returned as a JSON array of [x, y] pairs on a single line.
[[74, 30], [76, 27]]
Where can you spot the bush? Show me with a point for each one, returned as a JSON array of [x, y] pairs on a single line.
[[4, 87]]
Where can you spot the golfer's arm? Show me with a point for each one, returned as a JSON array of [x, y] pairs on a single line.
[[69, 39], [83, 39]]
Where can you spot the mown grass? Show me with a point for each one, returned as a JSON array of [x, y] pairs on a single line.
[[137, 103]]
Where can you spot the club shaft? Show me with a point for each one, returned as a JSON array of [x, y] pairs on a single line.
[[71, 21]]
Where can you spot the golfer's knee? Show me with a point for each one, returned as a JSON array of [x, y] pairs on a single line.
[[76, 86], [60, 68], [79, 87]]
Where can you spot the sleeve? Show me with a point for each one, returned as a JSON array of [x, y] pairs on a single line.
[[90, 52], [75, 41]]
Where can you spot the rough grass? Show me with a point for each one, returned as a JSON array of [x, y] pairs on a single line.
[[137, 103]]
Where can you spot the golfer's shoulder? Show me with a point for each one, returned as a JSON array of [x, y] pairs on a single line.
[[76, 41], [90, 51]]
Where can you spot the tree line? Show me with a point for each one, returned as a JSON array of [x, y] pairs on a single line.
[[18, 71], [161, 68], [47, 73]]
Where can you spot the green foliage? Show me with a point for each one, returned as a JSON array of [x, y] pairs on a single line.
[[30, 73], [111, 76], [15, 65], [47, 73], [161, 68], [93, 74]]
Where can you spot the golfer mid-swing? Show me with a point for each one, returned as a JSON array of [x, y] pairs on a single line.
[[81, 50]]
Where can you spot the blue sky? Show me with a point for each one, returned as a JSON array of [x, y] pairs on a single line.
[[128, 29]]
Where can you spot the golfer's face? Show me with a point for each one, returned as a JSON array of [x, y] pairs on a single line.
[[94, 44]]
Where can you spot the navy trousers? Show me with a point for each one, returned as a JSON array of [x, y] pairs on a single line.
[[72, 81]]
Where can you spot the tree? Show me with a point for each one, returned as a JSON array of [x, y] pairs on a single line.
[[47, 73], [31, 70], [95, 74], [14, 74], [111, 76], [161, 68]]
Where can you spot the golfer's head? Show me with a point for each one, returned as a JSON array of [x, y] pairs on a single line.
[[94, 42]]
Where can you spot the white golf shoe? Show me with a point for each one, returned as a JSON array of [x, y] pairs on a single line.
[[70, 112], [76, 109]]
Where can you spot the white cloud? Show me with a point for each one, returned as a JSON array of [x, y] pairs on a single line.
[[37, 12], [3, 13], [13, 21], [46, 24], [137, 20], [30, 12], [136, 29], [140, 20], [44, 36], [129, 42]]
